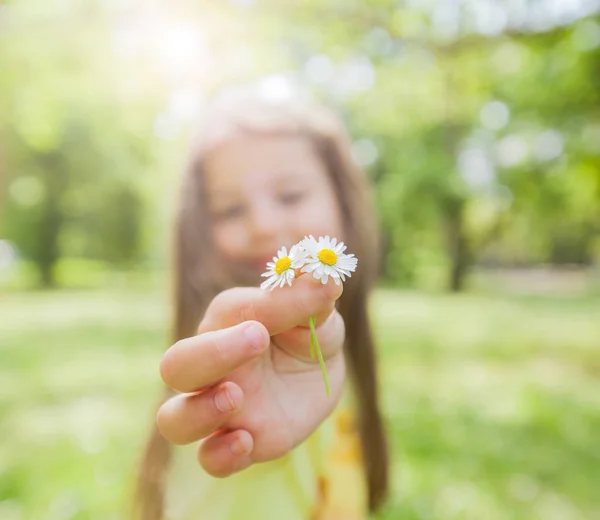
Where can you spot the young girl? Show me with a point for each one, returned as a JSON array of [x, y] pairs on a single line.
[[263, 175]]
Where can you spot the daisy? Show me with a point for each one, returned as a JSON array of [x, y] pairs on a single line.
[[283, 268], [325, 258]]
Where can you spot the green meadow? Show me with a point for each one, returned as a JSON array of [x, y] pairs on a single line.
[[492, 402]]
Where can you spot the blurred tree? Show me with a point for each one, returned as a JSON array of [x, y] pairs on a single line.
[[477, 134], [479, 122], [75, 160]]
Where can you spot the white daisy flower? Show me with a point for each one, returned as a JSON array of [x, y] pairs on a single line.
[[283, 268], [325, 258]]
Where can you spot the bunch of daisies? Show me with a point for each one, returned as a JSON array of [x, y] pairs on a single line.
[[323, 258]]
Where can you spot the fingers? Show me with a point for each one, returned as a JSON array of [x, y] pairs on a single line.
[[202, 360], [226, 452], [278, 310], [188, 418], [331, 335]]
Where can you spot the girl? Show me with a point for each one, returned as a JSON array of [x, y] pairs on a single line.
[[263, 175]]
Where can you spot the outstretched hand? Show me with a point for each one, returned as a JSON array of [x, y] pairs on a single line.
[[247, 383]]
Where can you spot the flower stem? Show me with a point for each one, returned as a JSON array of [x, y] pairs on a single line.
[[311, 322], [314, 344]]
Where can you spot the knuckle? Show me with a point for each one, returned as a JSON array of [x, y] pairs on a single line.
[[248, 312], [314, 302], [221, 299], [215, 345], [303, 304], [202, 415]]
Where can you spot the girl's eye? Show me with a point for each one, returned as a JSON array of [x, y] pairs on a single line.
[[292, 197], [229, 213]]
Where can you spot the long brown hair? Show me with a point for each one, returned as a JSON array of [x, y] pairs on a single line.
[[198, 275]]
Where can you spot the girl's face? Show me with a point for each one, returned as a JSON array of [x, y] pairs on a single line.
[[265, 192]]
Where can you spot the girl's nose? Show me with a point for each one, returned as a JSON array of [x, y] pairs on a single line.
[[265, 220]]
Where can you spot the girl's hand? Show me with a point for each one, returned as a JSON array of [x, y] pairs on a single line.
[[249, 386]]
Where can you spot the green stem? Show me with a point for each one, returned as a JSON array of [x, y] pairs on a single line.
[[314, 342], [311, 322]]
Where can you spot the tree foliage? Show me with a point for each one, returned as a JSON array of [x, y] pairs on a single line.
[[479, 123]]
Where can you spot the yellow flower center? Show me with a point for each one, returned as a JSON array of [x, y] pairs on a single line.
[[283, 264], [327, 256]]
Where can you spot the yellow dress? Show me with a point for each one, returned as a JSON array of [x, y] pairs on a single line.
[[321, 479]]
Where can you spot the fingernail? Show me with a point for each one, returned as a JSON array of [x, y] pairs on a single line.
[[256, 336], [237, 447], [223, 401]]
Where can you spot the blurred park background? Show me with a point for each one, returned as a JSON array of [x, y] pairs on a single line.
[[479, 124]]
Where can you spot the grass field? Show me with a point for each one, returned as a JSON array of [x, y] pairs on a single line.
[[492, 403]]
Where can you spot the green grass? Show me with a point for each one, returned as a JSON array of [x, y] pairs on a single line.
[[493, 404]]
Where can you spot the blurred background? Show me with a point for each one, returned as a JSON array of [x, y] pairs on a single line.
[[479, 124]]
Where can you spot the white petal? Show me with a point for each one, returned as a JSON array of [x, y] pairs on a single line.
[[324, 279], [337, 281], [267, 283], [320, 271], [310, 245], [298, 258], [298, 262], [331, 270], [346, 262], [274, 277], [310, 267], [348, 268]]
